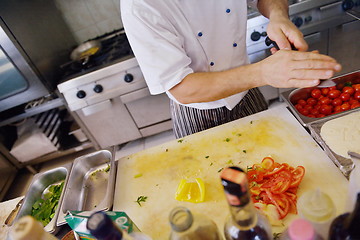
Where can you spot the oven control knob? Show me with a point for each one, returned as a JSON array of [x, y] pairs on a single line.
[[347, 5], [98, 88], [128, 78], [298, 21], [255, 36], [81, 94]]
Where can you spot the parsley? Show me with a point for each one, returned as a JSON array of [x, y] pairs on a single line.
[[227, 140], [230, 162], [107, 169], [251, 122], [244, 151], [206, 156], [141, 199], [211, 164], [220, 169], [276, 236], [180, 140], [138, 175]]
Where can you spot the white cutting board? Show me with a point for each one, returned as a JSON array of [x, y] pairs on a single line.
[[273, 132]]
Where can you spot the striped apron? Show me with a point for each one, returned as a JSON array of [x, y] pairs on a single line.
[[188, 120]]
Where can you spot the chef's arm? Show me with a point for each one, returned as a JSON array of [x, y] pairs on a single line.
[[286, 69], [280, 29]]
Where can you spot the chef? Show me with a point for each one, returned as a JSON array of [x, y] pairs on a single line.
[[195, 52]]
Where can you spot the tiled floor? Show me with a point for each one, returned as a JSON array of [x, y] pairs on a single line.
[[24, 177]]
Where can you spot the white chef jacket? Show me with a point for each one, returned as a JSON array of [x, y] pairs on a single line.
[[173, 38]]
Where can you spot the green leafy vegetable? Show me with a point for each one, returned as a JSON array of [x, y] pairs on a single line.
[[141, 199], [44, 208]]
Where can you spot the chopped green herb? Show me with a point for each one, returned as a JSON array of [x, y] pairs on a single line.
[[220, 169], [180, 140], [276, 236], [227, 140], [138, 175], [141, 199], [251, 122], [211, 164], [166, 150], [230, 162], [107, 169], [248, 168], [43, 209], [239, 134], [206, 156], [244, 151]]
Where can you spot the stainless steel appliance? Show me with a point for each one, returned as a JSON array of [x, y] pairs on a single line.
[[326, 27], [109, 97], [31, 48]]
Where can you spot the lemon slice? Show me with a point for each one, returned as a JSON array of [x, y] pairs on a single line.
[[191, 191]]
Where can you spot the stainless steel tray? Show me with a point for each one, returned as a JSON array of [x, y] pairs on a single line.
[[292, 96], [345, 165], [38, 187], [90, 187]]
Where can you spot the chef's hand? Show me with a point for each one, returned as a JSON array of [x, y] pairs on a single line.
[[281, 30], [295, 69]]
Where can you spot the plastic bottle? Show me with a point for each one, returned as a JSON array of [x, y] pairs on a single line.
[[187, 225], [347, 226], [300, 229], [245, 221], [27, 228], [318, 208], [102, 227]]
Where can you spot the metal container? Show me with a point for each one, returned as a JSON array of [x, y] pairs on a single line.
[[39, 186], [292, 96], [90, 186], [345, 165]]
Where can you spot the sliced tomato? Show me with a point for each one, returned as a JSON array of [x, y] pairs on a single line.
[[297, 175], [274, 171], [268, 163], [282, 203], [255, 190], [255, 175], [282, 182]]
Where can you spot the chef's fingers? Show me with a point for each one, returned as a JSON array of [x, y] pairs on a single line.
[[311, 74], [310, 55], [303, 83], [315, 64]]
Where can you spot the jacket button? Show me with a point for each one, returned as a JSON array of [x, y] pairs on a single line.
[[200, 34], [228, 10]]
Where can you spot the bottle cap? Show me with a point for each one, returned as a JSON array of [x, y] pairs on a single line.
[[235, 184], [300, 229], [100, 225], [316, 206]]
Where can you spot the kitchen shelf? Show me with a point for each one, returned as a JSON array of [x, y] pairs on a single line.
[[54, 103]]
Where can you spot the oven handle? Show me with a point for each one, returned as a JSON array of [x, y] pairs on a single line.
[[136, 95], [95, 108]]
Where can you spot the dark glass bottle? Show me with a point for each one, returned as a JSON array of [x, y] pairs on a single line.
[[245, 221], [347, 226], [102, 227]]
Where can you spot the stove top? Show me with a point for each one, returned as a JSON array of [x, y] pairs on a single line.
[[115, 48]]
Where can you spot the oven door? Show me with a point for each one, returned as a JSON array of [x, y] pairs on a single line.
[[108, 123], [151, 113]]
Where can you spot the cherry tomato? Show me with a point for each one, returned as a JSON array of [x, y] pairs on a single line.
[[297, 175], [355, 105], [316, 93], [326, 109], [334, 94], [324, 100], [314, 112], [336, 102], [356, 87], [332, 88], [301, 102], [304, 112], [345, 106], [325, 91], [340, 86], [357, 95], [348, 90], [298, 107], [345, 96], [317, 106], [311, 101], [255, 175], [308, 107], [320, 115]]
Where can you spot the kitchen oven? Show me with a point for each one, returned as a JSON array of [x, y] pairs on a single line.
[[326, 26], [109, 97]]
